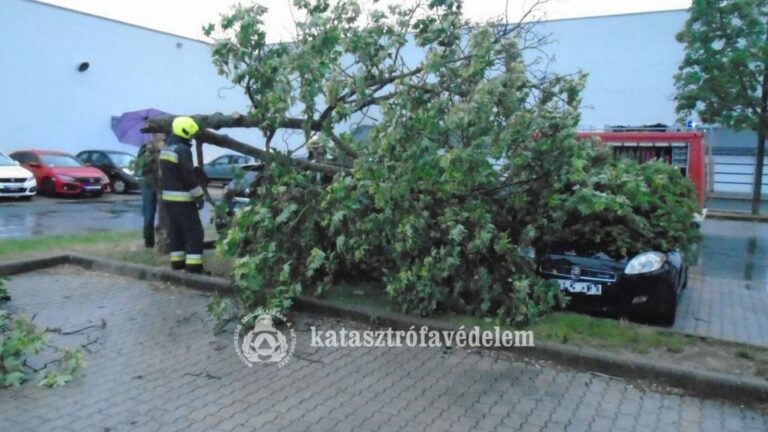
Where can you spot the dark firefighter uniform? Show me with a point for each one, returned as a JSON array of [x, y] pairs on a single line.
[[182, 197]]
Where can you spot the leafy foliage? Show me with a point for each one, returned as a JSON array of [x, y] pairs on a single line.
[[20, 339], [722, 74], [618, 208], [473, 158]]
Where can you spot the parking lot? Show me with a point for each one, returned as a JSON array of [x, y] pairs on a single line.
[[45, 216], [155, 365]]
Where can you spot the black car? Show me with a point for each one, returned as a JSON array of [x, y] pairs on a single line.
[[646, 286], [118, 166]]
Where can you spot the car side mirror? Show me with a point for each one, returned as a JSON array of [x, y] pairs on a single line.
[[17, 163]]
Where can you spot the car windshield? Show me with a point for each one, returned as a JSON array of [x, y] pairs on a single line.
[[59, 161], [122, 160], [6, 161]]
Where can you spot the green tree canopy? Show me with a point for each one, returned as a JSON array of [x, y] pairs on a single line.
[[723, 76], [472, 160]]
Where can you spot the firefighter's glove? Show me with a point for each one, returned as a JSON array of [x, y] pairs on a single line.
[[200, 203]]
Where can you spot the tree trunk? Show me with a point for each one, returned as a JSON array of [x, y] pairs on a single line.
[[762, 127], [162, 241], [758, 184]]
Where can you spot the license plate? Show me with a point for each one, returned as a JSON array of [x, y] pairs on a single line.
[[10, 189], [93, 187], [587, 288]]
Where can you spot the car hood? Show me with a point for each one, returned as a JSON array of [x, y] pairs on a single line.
[[560, 264], [14, 172], [77, 171]]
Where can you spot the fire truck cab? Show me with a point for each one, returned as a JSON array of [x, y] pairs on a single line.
[[684, 150]]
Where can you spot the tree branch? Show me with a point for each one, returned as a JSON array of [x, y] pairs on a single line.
[[230, 143]]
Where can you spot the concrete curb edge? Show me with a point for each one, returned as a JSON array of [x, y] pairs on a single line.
[[735, 216], [703, 383]]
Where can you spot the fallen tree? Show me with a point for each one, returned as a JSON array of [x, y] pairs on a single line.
[[470, 161]]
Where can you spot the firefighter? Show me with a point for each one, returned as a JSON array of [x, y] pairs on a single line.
[[182, 197]]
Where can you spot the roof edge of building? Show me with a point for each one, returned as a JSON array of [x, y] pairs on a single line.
[[205, 42], [117, 21]]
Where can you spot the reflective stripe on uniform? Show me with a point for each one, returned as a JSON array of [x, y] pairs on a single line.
[[194, 259], [177, 196], [197, 192], [169, 156], [177, 256]]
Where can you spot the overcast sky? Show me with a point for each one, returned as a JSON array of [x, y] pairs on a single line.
[[186, 18]]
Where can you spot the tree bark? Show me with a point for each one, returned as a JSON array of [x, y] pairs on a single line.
[[163, 125], [762, 126], [758, 183]]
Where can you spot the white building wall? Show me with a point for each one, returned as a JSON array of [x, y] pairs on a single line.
[[46, 103], [631, 61]]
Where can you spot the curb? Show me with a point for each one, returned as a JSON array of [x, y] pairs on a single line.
[[724, 215], [702, 383]]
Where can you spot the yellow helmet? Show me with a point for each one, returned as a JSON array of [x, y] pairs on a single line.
[[185, 127]]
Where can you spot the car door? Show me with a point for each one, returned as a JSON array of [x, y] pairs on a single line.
[[84, 157], [216, 170], [101, 161]]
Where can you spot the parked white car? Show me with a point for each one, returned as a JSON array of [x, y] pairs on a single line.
[[16, 181]]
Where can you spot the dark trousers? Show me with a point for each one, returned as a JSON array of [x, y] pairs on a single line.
[[186, 236], [149, 208]]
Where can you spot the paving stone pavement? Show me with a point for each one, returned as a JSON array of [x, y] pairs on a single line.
[[727, 294], [157, 366], [728, 309]]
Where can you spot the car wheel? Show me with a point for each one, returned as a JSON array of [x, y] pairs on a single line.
[[667, 316], [47, 188], [119, 186]]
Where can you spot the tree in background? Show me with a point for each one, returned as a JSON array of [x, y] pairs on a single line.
[[723, 77]]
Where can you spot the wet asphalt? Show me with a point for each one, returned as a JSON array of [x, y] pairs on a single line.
[[732, 250], [45, 216], [735, 250]]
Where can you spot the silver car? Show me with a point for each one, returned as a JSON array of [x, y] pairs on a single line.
[[223, 168]]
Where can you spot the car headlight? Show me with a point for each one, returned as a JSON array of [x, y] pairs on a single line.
[[645, 262], [128, 171], [66, 178], [30, 180]]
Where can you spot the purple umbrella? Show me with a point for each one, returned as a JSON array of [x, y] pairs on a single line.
[[127, 127]]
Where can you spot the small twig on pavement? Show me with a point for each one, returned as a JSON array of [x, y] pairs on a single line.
[[36, 370], [308, 359], [204, 374], [611, 377], [58, 330], [89, 343]]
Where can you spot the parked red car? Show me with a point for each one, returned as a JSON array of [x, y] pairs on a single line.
[[61, 173]]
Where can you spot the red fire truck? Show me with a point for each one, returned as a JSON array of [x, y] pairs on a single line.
[[684, 150]]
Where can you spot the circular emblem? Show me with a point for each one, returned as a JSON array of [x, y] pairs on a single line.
[[575, 272], [264, 343]]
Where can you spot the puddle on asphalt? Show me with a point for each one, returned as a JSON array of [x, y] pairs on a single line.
[[736, 258]]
